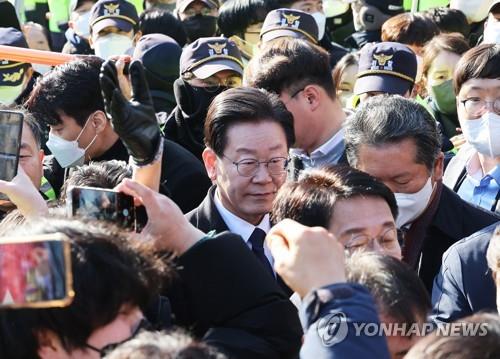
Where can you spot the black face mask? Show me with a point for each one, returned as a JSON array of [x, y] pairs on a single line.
[[200, 26], [191, 111]]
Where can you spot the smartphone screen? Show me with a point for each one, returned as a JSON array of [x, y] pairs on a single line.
[[11, 126], [35, 272], [102, 204]]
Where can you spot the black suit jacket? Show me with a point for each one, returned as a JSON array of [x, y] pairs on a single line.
[[224, 295], [465, 284], [207, 218], [454, 220]]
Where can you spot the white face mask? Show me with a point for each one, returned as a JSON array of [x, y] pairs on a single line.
[[41, 69], [112, 45], [484, 134], [68, 153], [82, 25], [412, 205], [335, 7], [475, 11], [492, 33], [321, 22]]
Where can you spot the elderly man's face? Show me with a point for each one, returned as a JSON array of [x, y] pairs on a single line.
[[395, 165]]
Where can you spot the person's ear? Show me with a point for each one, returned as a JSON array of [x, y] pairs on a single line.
[[312, 95], [49, 345], [210, 161], [437, 174], [137, 36], [99, 121], [91, 40]]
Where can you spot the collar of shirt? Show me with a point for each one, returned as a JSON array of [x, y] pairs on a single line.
[[323, 150], [237, 225], [476, 175]]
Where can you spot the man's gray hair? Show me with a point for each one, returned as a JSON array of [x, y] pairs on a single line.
[[391, 119]]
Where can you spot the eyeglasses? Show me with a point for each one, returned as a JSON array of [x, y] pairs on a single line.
[[203, 12], [144, 324], [293, 95], [387, 240], [249, 167], [476, 107]]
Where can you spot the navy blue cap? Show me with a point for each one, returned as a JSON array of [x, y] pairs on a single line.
[[290, 23], [119, 13], [160, 56], [209, 55], [11, 72], [181, 5], [388, 67]]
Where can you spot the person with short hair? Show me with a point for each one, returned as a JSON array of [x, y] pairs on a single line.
[[491, 34], [359, 210], [247, 133], [300, 73], [474, 173], [399, 294], [397, 141], [344, 77], [69, 100]]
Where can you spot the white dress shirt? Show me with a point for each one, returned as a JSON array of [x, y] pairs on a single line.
[[241, 227]]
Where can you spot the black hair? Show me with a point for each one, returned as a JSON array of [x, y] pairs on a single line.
[[449, 20], [386, 119], [109, 270], [240, 105], [236, 15], [311, 200], [71, 89], [161, 21], [290, 64]]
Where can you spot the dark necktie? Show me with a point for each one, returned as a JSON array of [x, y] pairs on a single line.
[[257, 241]]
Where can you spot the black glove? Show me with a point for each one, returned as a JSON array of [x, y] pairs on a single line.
[[135, 120]]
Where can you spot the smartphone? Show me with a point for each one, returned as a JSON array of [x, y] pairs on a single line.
[[35, 272], [11, 127], [101, 204]]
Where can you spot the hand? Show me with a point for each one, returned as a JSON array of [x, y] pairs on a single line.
[[306, 258], [24, 195], [167, 226], [135, 120], [121, 62]]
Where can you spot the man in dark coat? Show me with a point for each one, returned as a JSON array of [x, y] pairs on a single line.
[[397, 141]]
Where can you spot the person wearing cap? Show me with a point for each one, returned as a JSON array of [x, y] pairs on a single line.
[[78, 32], [476, 13], [316, 10], [242, 20], [160, 56], [16, 78], [208, 67], [113, 26], [199, 17], [300, 73], [491, 33], [369, 16], [385, 68]]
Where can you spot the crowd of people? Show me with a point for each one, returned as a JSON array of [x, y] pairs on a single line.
[[316, 178]]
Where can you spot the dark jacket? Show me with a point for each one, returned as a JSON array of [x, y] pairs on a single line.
[[453, 220], [336, 51], [75, 45], [207, 218], [360, 38], [225, 296], [183, 177], [464, 284], [321, 316]]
